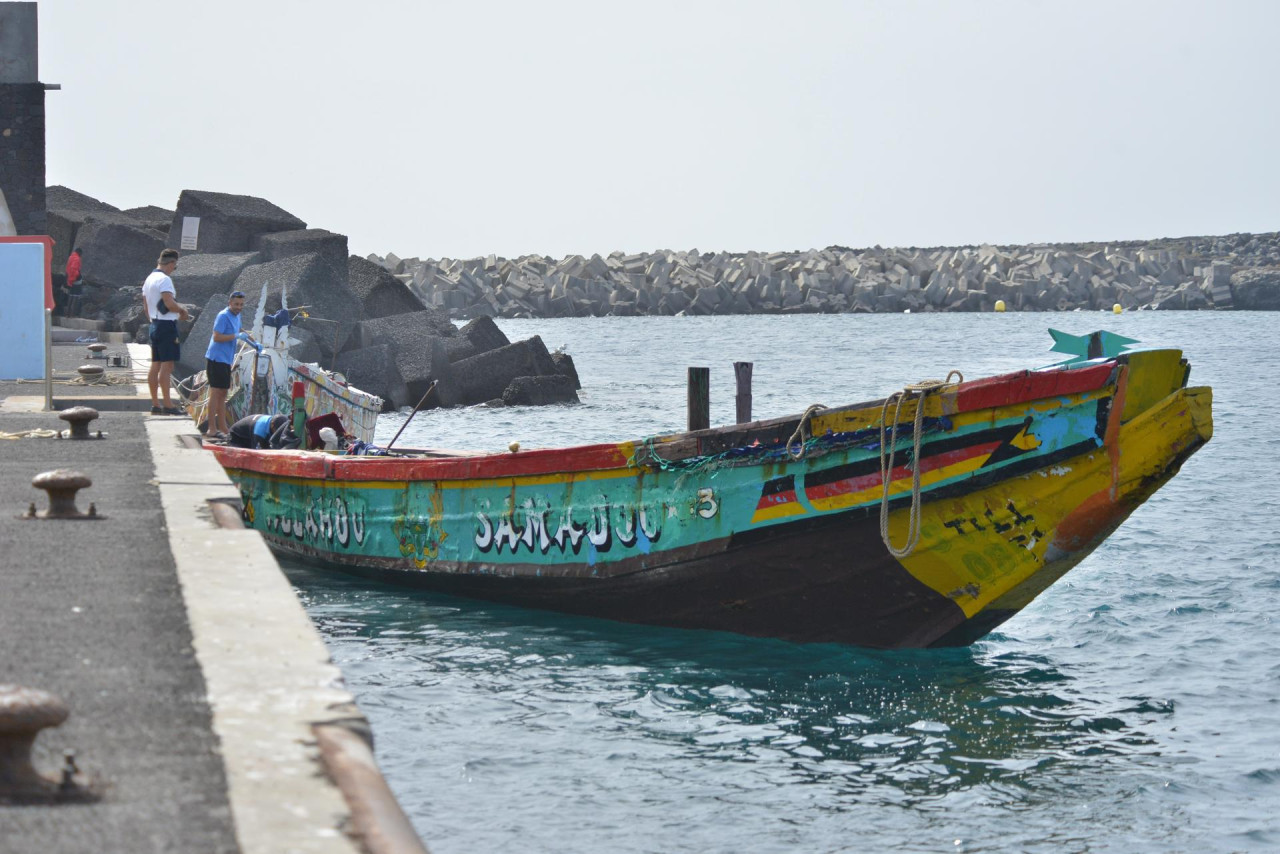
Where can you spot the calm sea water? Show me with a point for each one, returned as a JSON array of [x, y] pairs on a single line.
[[1133, 707]]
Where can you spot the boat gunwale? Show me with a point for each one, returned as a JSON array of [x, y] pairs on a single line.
[[1013, 388]]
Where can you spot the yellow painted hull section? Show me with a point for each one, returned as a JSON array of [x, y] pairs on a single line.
[[1000, 546]]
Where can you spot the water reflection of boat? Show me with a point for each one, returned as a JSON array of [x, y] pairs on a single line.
[[925, 522]]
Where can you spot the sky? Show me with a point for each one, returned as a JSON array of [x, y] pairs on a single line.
[[456, 130]]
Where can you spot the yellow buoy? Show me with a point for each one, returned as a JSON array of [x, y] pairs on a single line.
[[1116, 309], [999, 305], [513, 447]]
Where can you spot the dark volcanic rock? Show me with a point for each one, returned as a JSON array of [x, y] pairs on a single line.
[[380, 293], [484, 334], [200, 275], [539, 391], [565, 367], [304, 346], [1257, 289], [116, 254], [283, 244], [486, 375], [311, 282], [67, 211], [229, 223], [373, 369], [431, 366], [133, 317], [152, 217], [64, 198], [419, 352], [399, 328]]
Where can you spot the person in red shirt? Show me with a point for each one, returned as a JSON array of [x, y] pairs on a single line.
[[73, 268], [62, 289]]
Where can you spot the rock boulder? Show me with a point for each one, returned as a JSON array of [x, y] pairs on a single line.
[[67, 211], [229, 223], [373, 369], [484, 334], [419, 352], [196, 342], [380, 293], [539, 391], [565, 367], [1256, 289], [118, 254], [152, 217], [283, 244], [486, 376], [401, 328], [200, 275]]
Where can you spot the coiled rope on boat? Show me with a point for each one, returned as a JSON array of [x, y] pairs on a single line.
[[801, 437], [920, 391]]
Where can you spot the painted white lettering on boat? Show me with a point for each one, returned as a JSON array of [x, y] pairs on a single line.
[[535, 526], [327, 520]]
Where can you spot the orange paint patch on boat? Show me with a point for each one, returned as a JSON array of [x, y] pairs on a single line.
[[1082, 526]]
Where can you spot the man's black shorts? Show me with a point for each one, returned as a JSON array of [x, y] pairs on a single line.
[[164, 341], [219, 373]]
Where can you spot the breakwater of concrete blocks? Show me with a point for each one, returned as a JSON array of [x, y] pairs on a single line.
[[1184, 273]]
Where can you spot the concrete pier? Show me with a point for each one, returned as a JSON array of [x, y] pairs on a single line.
[[206, 714]]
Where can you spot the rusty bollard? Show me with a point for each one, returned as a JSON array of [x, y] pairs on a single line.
[[23, 713], [92, 373], [62, 486], [79, 417]]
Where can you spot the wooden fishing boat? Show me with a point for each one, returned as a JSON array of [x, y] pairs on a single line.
[[922, 520]]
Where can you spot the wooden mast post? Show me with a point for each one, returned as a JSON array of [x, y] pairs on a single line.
[[699, 398]]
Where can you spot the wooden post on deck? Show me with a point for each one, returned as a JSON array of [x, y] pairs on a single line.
[[699, 398], [742, 374]]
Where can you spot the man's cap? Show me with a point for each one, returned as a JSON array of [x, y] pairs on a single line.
[[235, 294]]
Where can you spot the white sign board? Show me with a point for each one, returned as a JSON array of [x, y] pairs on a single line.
[[190, 233], [23, 273]]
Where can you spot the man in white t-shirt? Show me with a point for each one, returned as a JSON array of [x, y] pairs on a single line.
[[164, 312]]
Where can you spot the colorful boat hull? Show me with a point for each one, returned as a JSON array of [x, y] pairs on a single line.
[[1021, 476]]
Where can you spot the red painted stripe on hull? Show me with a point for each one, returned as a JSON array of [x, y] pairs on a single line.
[[1026, 386], [521, 464], [867, 481]]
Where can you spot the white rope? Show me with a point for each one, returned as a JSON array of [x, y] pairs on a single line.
[[37, 433], [887, 453], [102, 379], [802, 432]]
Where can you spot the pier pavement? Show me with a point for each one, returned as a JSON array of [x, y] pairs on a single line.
[[205, 712]]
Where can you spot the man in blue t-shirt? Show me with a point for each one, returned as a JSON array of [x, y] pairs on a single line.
[[218, 359]]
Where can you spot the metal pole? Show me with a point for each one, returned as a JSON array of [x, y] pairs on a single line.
[[699, 398], [742, 374], [48, 360], [425, 395]]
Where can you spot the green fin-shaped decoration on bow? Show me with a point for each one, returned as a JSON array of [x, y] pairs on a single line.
[[1096, 345]]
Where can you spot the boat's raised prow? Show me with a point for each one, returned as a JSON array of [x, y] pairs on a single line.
[[1149, 427]]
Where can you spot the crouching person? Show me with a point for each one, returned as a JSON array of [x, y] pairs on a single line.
[[262, 431]]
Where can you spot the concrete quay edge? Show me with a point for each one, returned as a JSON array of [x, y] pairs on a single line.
[[297, 781]]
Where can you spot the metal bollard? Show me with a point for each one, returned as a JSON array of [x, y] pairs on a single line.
[[23, 713], [79, 417], [62, 486]]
